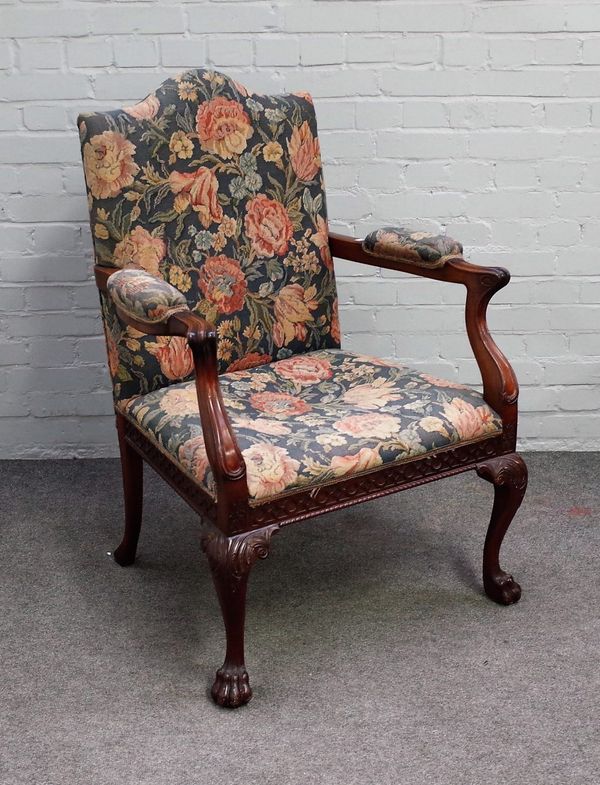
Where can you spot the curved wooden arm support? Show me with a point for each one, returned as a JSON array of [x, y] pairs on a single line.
[[221, 445], [500, 388], [222, 449]]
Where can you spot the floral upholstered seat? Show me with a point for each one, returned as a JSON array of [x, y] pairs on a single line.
[[314, 418]]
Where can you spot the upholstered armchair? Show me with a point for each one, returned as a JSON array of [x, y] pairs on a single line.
[[215, 269]]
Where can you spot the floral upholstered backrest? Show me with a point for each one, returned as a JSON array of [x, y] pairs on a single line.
[[218, 191]]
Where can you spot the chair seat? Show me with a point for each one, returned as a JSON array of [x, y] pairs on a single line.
[[315, 418]]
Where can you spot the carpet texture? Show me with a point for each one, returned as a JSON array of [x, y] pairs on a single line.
[[373, 654]]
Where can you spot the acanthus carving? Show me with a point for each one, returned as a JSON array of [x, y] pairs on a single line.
[[401, 476], [494, 278], [235, 555], [505, 470], [509, 433], [508, 473]]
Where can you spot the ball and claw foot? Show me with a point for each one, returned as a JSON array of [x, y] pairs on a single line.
[[502, 588], [124, 556], [231, 687]]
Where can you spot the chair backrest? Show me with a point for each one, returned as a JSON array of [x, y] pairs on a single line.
[[220, 192]]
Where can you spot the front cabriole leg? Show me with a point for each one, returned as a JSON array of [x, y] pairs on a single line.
[[508, 473], [231, 559]]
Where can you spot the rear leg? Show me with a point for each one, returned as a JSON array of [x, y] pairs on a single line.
[[132, 467]]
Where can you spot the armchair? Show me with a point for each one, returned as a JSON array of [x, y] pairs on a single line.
[[215, 270]]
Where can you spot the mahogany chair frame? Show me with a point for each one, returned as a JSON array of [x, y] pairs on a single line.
[[237, 532]]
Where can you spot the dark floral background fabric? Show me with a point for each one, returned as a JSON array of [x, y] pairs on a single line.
[[219, 192], [315, 418]]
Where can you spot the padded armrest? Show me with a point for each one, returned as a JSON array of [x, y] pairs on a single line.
[[422, 249], [144, 297]]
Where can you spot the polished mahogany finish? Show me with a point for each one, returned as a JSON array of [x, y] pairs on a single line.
[[132, 469], [508, 473], [238, 532]]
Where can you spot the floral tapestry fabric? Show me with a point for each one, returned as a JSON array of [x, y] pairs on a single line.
[[420, 248], [138, 361], [219, 192], [146, 298], [315, 418]]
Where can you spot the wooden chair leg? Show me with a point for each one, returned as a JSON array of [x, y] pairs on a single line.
[[231, 559], [132, 467], [508, 473]]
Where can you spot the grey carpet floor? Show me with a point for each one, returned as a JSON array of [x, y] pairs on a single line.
[[373, 654]]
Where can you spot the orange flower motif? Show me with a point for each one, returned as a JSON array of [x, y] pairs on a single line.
[[279, 404], [336, 333], [250, 360], [272, 151], [108, 163], [140, 249], [365, 459], [223, 127], [269, 470], [372, 396], [145, 110], [367, 358], [101, 232], [187, 92], [242, 89], [268, 226], [229, 226], [260, 425], [305, 95], [469, 421], [223, 283], [321, 239], [435, 380], [200, 189], [375, 426], [192, 455], [305, 153], [112, 351], [180, 146], [304, 369], [174, 356], [180, 401], [293, 305], [433, 425]]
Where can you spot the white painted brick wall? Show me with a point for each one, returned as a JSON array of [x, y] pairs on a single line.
[[481, 118]]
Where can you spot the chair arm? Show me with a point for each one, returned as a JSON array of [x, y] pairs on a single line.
[[500, 387], [145, 298], [224, 454], [422, 249]]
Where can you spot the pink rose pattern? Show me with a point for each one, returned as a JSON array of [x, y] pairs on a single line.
[[185, 185], [318, 417]]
